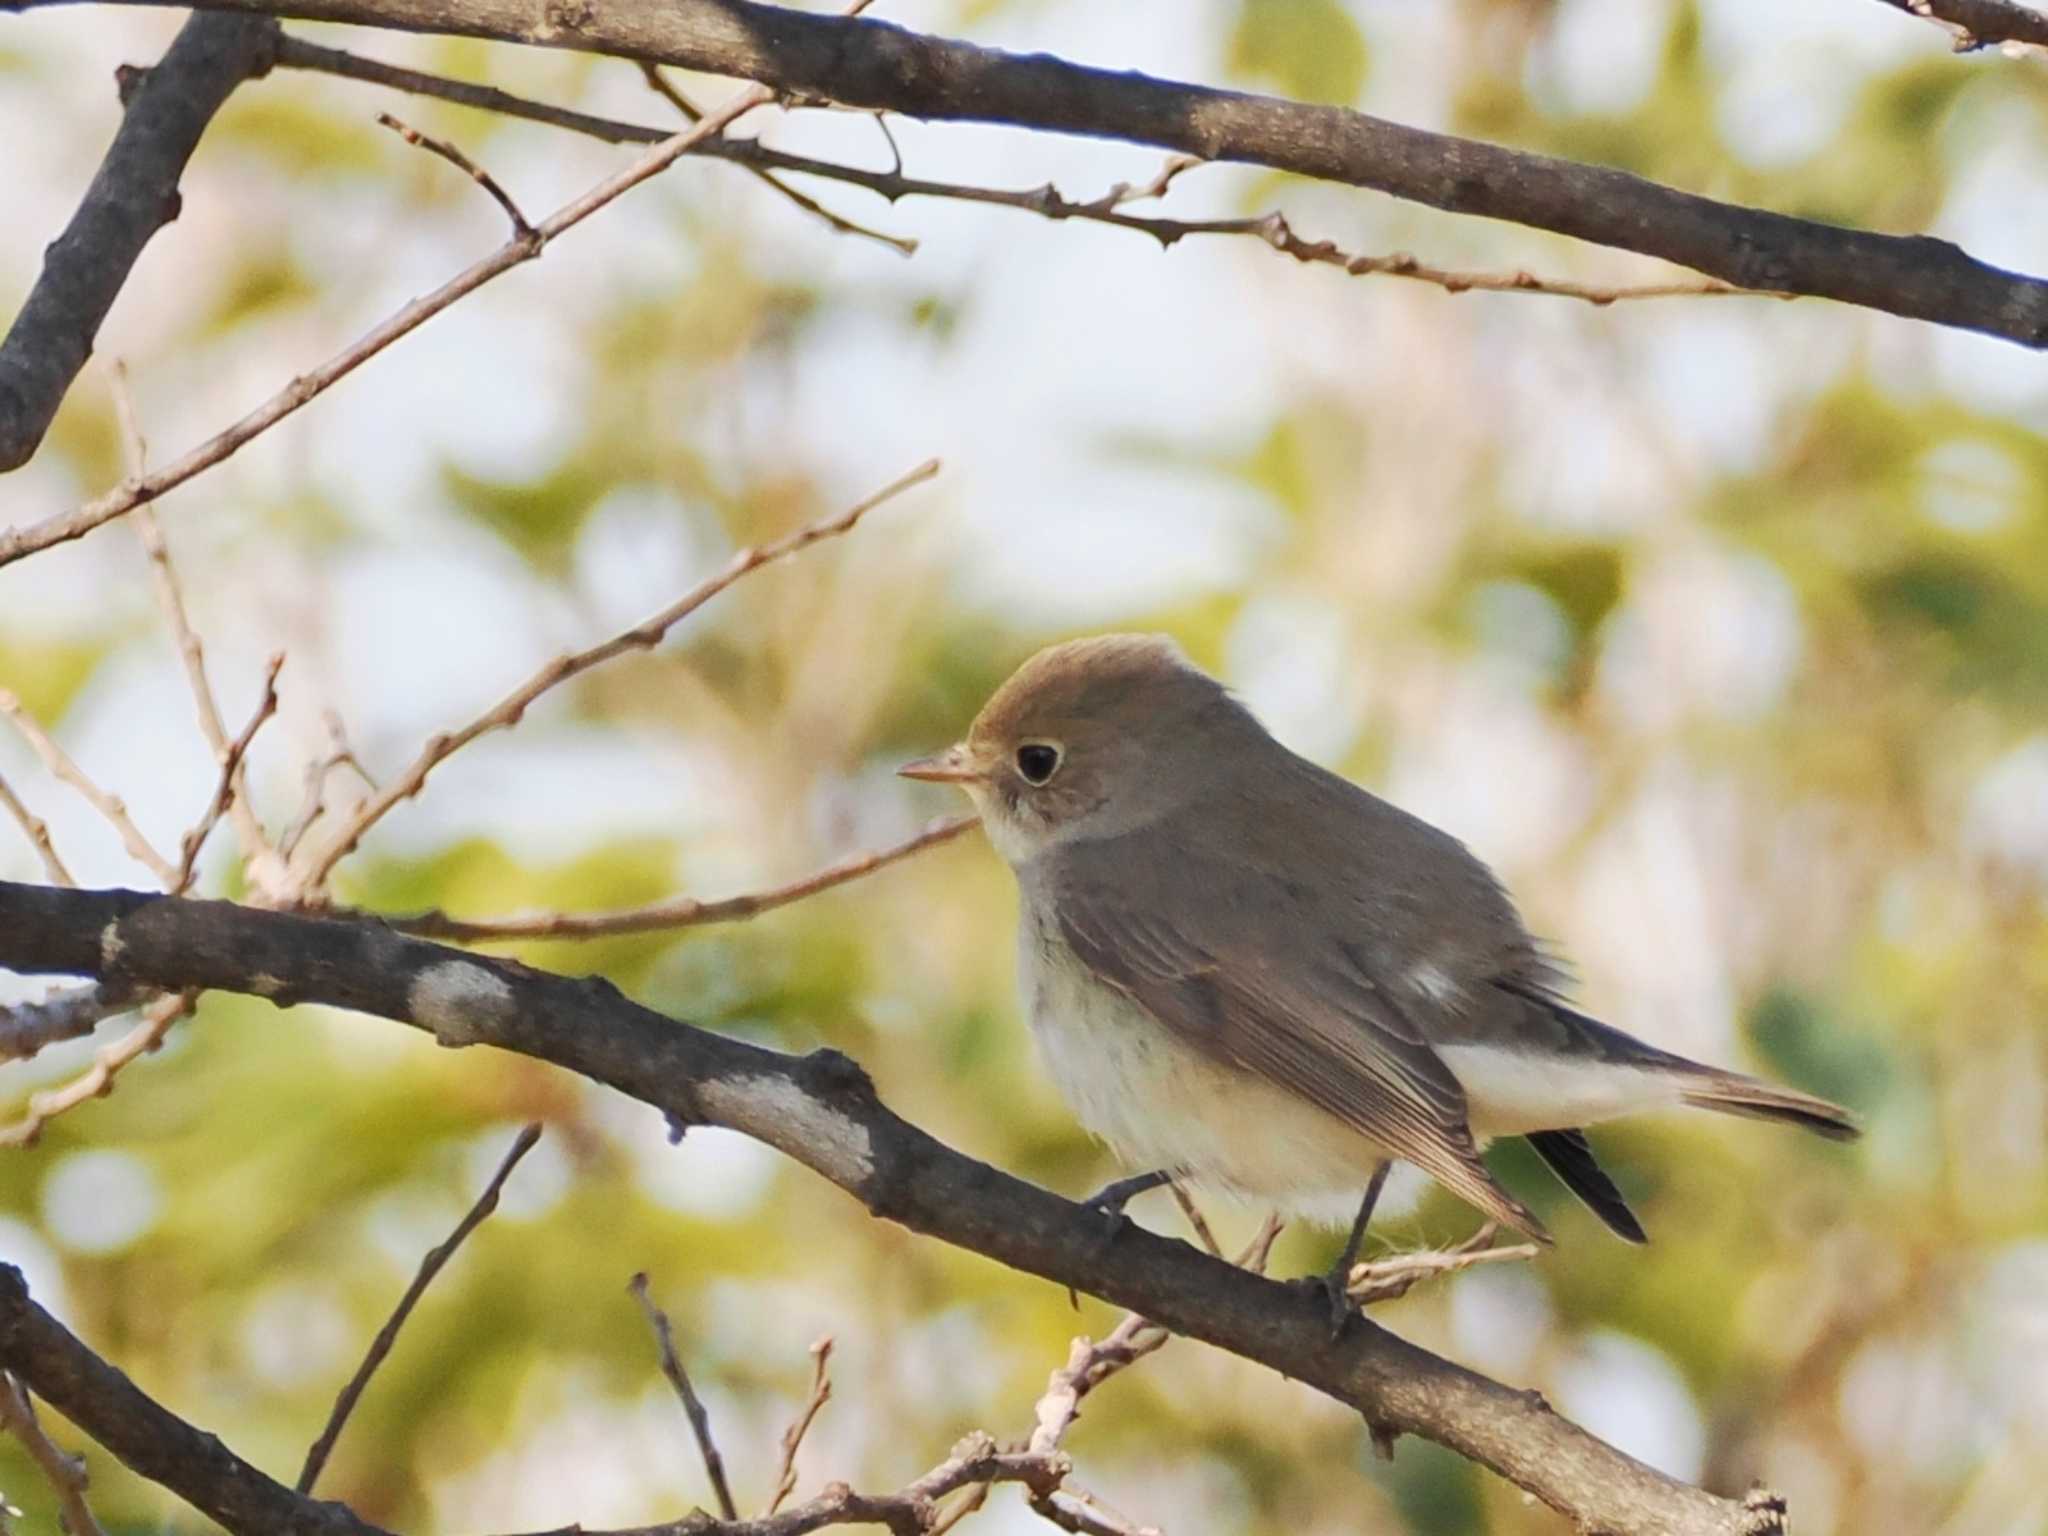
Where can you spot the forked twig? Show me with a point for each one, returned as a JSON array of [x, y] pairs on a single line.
[[679, 911], [659, 83], [693, 1406], [38, 833], [139, 489], [314, 803], [1092, 1362], [1392, 1277], [224, 794], [257, 859], [430, 1266], [643, 636], [98, 1079], [793, 1437], [521, 229], [60, 765], [1045, 201], [65, 1472]]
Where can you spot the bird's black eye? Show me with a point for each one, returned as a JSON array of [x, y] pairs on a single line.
[[1037, 761]]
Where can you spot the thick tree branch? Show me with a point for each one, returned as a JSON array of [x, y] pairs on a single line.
[[821, 1110], [1981, 23], [1271, 227], [874, 64], [156, 1444], [149, 1439], [134, 195]]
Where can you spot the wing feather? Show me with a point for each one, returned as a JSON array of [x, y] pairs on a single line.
[[1241, 976]]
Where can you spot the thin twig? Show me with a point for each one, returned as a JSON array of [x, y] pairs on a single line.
[[793, 1437], [1388, 1278], [339, 755], [517, 251], [679, 911], [1196, 1220], [646, 635], [691, 112], [66, 1473], [521, 229], [59, 762], [1045, 201], [38, 833], [69, 1014], [1090, 1363], [98, 1079], [231, 760], [693, 1406], [430, 1266], [257, 857]]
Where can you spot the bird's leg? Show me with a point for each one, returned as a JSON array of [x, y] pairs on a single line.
[[1336, 1284]]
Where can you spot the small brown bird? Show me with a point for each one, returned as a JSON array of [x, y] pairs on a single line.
[[1248, 972]]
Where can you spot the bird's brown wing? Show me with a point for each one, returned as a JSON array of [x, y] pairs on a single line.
[[1240, 976]]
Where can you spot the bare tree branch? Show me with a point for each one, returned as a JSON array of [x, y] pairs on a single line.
[[1981, 23], [38, 833], [110, 806], [430, 1266], [232, 756], [66, 1474], [659, 84], [520, 249], [107, 1064], [257, 856], [693, 1405], [645, 635], [156, 1444], [862, 63], [521, 229], [822, 1110], [1396, 1275], [149, 1439], [70, 1014], [680, 911], [800, 1426], [134, 194], [1045, 201]]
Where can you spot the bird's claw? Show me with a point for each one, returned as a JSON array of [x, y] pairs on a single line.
[[1331, 1290]]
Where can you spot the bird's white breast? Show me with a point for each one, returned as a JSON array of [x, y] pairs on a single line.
[[1160, 1103]]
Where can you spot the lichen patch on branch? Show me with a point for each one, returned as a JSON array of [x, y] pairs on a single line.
[[461, 1001]]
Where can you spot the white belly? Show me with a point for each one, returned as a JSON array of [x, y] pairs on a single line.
[[1161, 1104]]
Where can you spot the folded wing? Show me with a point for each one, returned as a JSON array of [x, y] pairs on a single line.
[[1242, 976]]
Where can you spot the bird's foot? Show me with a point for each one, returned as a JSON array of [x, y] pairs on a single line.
[[1114, 1196], [1333, 1290]]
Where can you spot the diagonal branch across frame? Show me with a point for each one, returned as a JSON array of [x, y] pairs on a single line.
[[874, 64], [822, 1111]]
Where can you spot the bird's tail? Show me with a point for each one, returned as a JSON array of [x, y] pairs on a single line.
[[1731, 1093]]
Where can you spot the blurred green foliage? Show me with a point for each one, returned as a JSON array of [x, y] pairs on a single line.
[[1873, 947]]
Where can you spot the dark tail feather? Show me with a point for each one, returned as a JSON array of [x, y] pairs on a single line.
[[1733, 1094], [1571, 1158]]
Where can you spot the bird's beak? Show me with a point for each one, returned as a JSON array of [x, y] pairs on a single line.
[[952, 766]]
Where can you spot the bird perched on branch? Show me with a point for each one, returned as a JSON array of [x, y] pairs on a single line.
[[1243, 970]]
